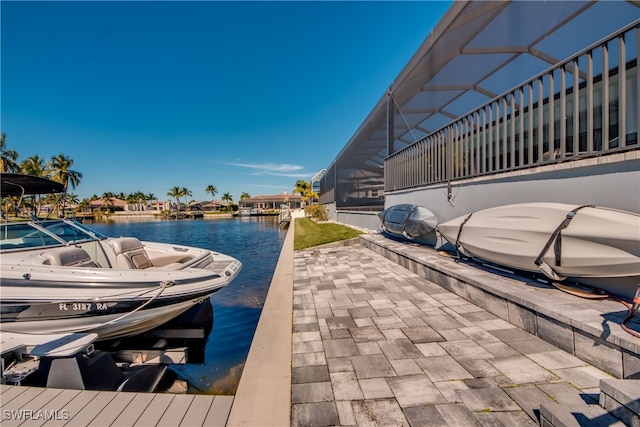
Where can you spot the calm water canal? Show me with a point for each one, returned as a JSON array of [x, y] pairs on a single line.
[[256, 242]]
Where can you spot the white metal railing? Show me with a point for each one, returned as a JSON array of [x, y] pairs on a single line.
[[585, 106]]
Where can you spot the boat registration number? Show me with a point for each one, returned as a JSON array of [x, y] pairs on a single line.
[[82, 306]]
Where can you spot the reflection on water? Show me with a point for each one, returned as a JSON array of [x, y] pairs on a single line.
[[256, 242]]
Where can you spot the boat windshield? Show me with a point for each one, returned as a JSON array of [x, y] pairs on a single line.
[[23, 235]]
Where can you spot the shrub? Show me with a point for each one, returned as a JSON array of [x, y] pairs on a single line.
[[317, 212]]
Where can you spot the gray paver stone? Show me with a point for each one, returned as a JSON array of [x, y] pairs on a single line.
[[345, 386], [457, 415], [374, 413], [399, 349], [364, 334], [315, 415], [375, 388], [372, 366], [466, 349], [492, 399], [522, 370], [415, 390], [424, 416], [340, 347], [310, 374], [443, 368], [505, 419], [423, 334], [340, 322], [582, 377], [311, 392]]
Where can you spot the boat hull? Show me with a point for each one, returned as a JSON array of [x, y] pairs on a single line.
[[411, 222], [598, 245], [136, 323], [109, 302]]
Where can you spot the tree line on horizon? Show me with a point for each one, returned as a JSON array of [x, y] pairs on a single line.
[[59, 169]]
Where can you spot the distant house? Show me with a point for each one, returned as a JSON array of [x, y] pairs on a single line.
[[161, 206], [209, 206], [112, 203], [271, 202]]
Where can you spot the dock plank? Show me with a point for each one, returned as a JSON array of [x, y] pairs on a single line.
[[92, 409], [30, 410], [58, 405], [198, 410], [9, 392], [132, 412], [155, 410], [176, 411], [74, 406], [23, 398], [219, 412], [66, 407], [107, 416]]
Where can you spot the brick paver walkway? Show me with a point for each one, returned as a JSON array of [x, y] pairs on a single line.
[[375, 344]]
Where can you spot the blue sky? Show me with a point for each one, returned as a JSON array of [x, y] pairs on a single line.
[[246, 96]]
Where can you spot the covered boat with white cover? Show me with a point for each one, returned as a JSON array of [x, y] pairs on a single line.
[[411, 222], [60, 277], [594, 245]]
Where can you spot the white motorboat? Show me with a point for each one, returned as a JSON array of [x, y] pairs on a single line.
[[595, 245], [60, 277]]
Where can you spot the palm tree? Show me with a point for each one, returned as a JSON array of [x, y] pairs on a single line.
[[131, 199], [72, 199], [151, 197], [305, 190], [62, 172], [211, 189], [175, 192], [245, 196], [36, 166], [140, 199], [185, 192], [85, 205], [8, 158], [106, 199], [301, 187]]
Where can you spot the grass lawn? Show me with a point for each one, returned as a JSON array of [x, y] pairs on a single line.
[[308, 233]]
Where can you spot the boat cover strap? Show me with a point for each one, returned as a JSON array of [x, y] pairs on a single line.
[[458, 245], [556, 237], [404, 226]]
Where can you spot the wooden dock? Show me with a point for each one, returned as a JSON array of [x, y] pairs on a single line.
[[36, 406]]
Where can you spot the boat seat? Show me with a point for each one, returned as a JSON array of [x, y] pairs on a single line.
[[130, 253], [71, 256]]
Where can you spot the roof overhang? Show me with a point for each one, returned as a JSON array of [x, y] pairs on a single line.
[[478, 51]]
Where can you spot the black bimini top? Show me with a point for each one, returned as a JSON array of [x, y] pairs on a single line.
[[15, 184]]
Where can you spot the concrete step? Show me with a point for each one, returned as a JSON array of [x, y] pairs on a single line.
[[558, 415], [622, 399], [618, 405]]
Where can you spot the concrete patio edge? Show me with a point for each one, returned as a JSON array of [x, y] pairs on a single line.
[[264, 392]]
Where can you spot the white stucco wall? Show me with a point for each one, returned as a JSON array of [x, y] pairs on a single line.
[[611, 181]]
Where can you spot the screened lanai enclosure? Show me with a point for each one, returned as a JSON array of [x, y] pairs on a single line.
[[500, 98]]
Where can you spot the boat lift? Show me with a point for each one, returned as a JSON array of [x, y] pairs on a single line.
[[78, 361], [71, 361]]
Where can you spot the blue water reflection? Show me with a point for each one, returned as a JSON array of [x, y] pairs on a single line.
[[256, 242]]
